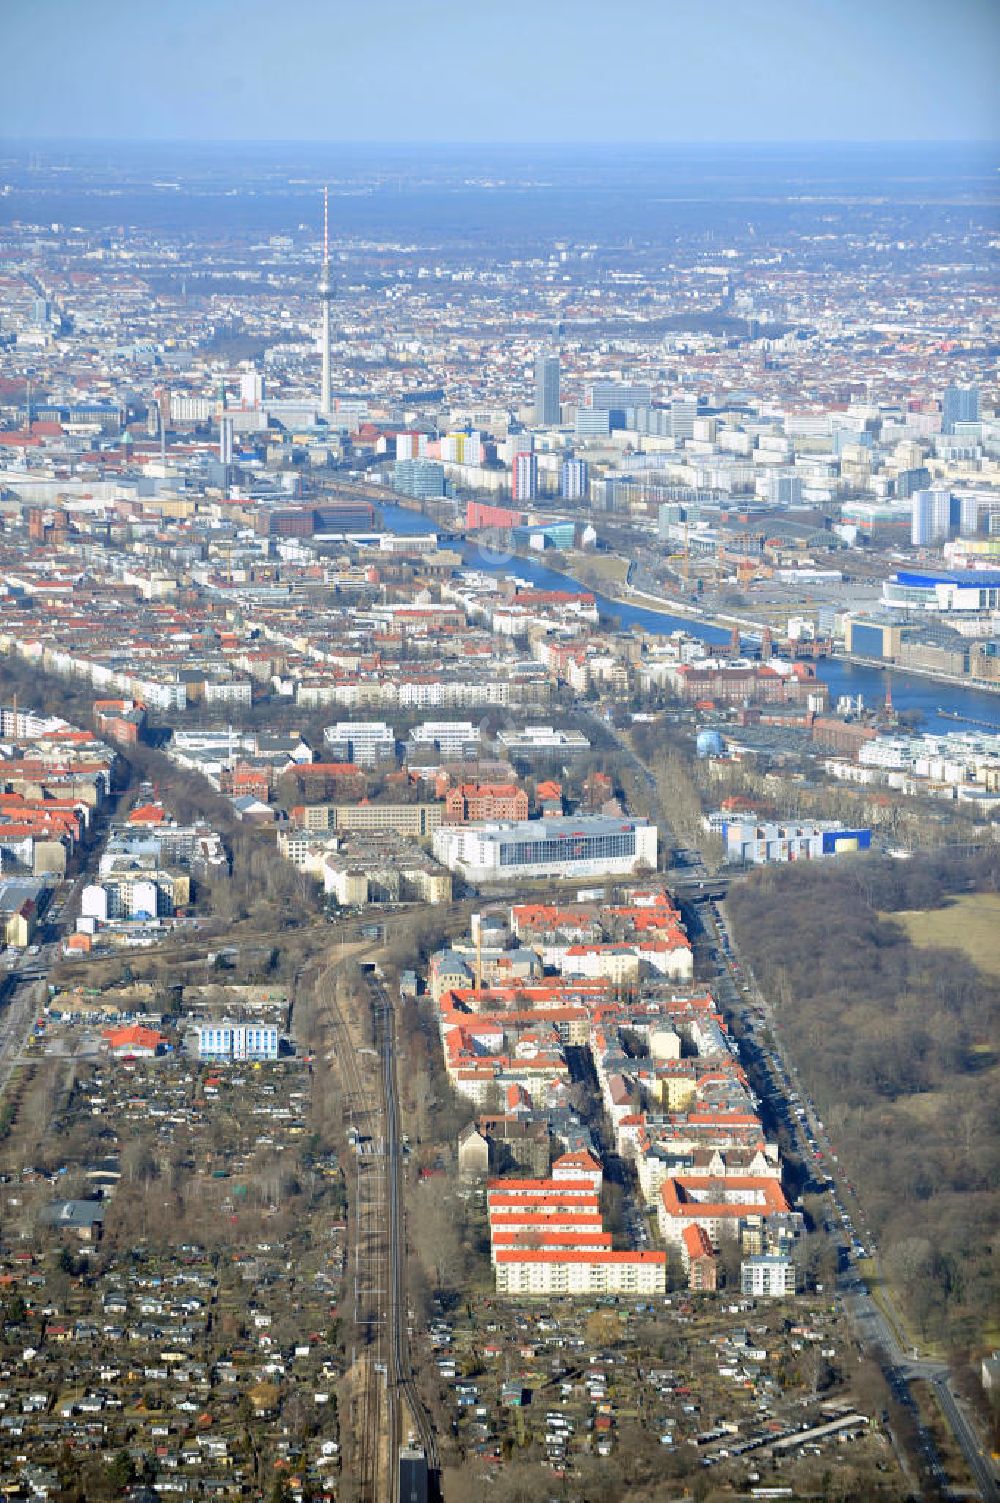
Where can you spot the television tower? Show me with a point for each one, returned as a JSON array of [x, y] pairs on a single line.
[[326, 298]]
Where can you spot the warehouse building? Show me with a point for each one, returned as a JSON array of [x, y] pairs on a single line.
[[761, 842]]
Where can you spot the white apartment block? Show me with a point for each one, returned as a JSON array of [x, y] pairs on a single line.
[[767, 1277], [556, 1272]]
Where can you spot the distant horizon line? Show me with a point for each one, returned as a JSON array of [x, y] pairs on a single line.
[[707, 142]]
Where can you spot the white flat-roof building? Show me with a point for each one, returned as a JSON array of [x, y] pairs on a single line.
[[452, 738], [552, 1271], [767, 1277], [542, 740], [592, 846], [364, 742], [237, 1041]]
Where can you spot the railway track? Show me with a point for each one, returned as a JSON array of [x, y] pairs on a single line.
[[402, 1389], [390, 1411], [363, 1112]]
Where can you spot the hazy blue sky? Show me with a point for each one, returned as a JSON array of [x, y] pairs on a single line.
[[521, 70]]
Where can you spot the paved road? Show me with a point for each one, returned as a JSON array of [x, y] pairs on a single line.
[[26, 970], [978, 1462], [738, 989], [876, 1332], [21, 1005], [18, 1011]]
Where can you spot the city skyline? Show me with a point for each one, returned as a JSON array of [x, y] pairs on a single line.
[[499, 754]]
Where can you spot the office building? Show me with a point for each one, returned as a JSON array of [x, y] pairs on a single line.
[[552, 535], [615, 396], [968, 516], [453, 739], [592, 422], [547, 390], [304, 521], [593, 846], [978, 514], [683, 411], [237, 1041], [366, 743], [617, 400], [960, 404], [911, 480], [343, 516], [421, 478], [524, 477], [417, 820], [669, 516], [542, 741], [518, 441], [784, 490], [574, 480], [226, 440], [653, 420], [930, 517]]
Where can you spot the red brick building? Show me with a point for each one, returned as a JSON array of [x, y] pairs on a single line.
[[753, 683], [472, 801], [702, 1263], [121, 720]]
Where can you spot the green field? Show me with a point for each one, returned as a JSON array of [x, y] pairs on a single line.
[[970, 924]]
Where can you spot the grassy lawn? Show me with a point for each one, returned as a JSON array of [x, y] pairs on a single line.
[[608, 566], [969, 923], [894, 1315]]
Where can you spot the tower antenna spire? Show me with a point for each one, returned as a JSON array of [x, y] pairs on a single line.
[[326, 294]]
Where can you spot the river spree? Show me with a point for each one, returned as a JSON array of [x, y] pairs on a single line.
[[975, 707]]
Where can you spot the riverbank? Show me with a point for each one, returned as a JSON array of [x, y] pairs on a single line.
[[657, 605], [664, 605], [681, 612], [951, 680], [940, 704]]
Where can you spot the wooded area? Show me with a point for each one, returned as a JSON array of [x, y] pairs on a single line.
[[899, 1047]]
